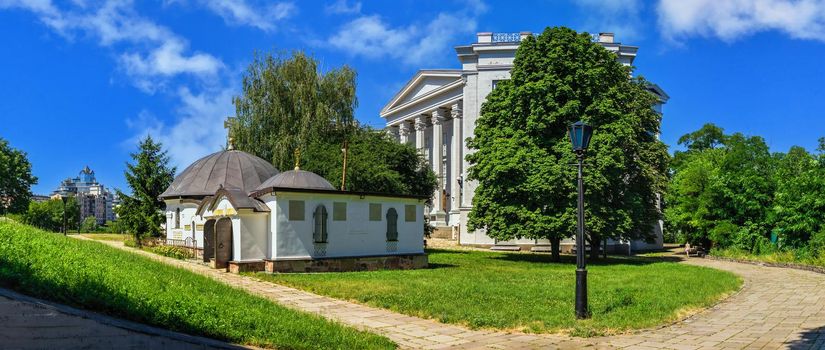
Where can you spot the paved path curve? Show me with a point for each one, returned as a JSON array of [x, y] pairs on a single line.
[[29, 323], [777, 308]]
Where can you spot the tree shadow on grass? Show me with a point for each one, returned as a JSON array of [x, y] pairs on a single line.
[[571, 259], [432, 266], [811, 339]]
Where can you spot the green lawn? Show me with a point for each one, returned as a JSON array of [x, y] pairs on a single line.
[[93, 276], [527, 292]]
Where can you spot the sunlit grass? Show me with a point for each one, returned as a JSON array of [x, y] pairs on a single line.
[[94, 276], [527, 292]]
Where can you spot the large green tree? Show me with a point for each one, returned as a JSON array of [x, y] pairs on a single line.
[[799, 205], [142, 212], [526, 184], [722, 189], [48, 215], [289, 104], [16, 179]]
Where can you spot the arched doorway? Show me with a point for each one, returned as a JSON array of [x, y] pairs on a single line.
[[223, 242], [208, 240]]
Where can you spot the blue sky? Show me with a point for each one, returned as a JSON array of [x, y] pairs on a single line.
[[80, 81]]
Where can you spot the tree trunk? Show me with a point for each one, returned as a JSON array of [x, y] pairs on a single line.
[[555, 246], [595, 243]]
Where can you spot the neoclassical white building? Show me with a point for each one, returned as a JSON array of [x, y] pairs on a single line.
[[438, 108]]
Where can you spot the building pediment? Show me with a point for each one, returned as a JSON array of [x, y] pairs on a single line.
[[425, 84]]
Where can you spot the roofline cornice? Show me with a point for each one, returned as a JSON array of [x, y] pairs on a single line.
[[435, 92], [421, 74]]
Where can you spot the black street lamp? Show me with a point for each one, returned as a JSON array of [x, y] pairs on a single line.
[[65, 199], [580, 134]]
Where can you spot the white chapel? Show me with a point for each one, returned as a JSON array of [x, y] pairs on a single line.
[[437, 110], [245, 215]]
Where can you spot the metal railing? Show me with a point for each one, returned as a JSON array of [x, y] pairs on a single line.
[[189, 242], [506, 37]]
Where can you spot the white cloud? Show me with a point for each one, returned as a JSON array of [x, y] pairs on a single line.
[[730, 20], [197, 131], [237, 12], [372, 37], [150, 53], [622, 17], [342, 7]]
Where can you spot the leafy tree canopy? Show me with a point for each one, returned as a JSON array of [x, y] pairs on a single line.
[[48, 215], [16, 179], [149, 175], [288, 103], [526, 184], [722, 192]]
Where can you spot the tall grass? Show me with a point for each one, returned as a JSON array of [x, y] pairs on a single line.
[[791, 256], [93, 276]]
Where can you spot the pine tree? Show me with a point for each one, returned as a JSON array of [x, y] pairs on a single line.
[[148, 177]]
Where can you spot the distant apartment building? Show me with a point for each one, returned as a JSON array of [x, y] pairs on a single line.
[[93, 198]]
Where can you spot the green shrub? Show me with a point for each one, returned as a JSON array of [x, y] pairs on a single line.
[[817, 244], [173, 252], [723, 234], [94, 276]]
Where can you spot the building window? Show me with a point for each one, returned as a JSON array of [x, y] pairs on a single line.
[[319, 235], [339, 211], [409, 213], [375, 211], [296, 211], [392, 225], [177, 218]]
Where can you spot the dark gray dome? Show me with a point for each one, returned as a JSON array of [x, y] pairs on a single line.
[[230, 169], [297, 179]]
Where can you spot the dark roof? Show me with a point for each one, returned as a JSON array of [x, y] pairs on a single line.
[[230, 169], [239, 200], [297, 179]]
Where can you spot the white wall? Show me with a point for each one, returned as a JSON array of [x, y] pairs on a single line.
[[357, 236], [188, 217]]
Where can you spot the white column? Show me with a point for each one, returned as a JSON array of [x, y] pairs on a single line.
[[438, 213], [404, 131], [420, 125], [393, 132], [455, 164]]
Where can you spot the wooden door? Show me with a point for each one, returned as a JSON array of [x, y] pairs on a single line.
[[208, 240], [223, 242]]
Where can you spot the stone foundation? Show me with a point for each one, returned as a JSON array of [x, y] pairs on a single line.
[[246, 266], [372, 263], [443, 232]]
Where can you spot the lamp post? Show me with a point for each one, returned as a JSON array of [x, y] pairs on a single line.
[[580, 134], [65, 199]]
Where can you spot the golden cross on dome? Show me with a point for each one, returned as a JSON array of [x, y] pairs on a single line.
[[227, 124], [297, 159]]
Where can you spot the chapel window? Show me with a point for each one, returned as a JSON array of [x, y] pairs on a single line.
[[392, 225], [375, 211], [177, 218], [409, 213], [296, 211], [319, 235], [339, 211]]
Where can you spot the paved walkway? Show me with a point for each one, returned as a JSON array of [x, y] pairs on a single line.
[[777, 308], [29, 323]]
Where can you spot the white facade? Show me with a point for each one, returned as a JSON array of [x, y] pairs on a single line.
[[273, 235], [437, 110]]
